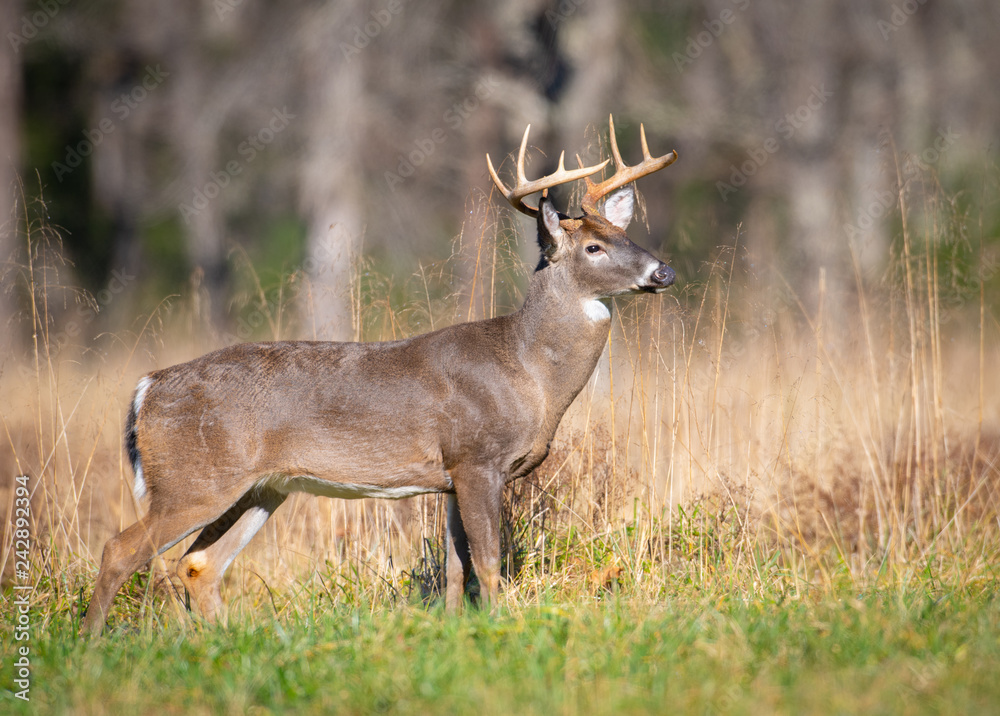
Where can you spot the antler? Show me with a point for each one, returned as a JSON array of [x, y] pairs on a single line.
[[624, 174], [523, 187]]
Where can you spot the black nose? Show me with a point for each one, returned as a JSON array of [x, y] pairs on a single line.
[[664, 275]]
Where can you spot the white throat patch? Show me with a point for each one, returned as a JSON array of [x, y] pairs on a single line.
[[596, 310]]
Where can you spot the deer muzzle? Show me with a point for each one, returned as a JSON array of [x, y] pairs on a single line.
[[662, 278]]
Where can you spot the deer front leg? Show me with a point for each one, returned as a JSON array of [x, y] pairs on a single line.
[[474, 535]]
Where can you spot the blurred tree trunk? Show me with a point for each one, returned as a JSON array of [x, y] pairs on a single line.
[[332, 166], [10, 107], [198, 113], [594, 54], [196, 141], [118, 172], [814, 123]]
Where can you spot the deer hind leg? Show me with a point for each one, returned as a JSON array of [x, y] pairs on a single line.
[[458, 564], [162, 527], [202, 566]]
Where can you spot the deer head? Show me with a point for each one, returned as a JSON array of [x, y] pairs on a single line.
[[593, 248]]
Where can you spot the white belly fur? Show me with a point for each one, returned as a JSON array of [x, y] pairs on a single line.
[[345, 490]]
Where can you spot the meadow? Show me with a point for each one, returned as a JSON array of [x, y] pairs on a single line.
[[774, 496]]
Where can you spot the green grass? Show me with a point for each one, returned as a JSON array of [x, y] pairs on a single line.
[[692, 651]]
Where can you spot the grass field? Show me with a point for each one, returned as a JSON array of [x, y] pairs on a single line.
[[692, 651], [765, 502]]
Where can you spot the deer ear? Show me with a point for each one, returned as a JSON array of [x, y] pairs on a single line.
[[550, 233], [619, 207]]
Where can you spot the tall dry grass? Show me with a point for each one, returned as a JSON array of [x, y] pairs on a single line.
[[733, 433]]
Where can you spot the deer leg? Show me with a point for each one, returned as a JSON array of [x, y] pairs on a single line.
[[478, 509], [202, 566], [458, 562], [162, 527]]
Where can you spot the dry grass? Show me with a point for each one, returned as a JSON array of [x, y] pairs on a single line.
[[731, 433]]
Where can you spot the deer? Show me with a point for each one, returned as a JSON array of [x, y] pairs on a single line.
[[218, 443]]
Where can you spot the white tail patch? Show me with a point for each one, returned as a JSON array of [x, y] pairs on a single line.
[[140, 392], [139, 485]]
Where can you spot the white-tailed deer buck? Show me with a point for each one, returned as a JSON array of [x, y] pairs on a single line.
[[218, 443]]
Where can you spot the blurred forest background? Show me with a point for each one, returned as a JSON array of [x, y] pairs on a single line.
[[171, 141]]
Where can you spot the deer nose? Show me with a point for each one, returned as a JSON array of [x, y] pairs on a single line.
[[664, 275]]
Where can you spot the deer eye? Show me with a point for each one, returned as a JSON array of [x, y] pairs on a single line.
[[594, 249]]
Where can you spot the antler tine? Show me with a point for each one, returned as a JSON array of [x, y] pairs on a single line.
[[619, 164], [521, 178], [524, 188], [624, 174]]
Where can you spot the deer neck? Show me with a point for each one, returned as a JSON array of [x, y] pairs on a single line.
[[561, 334]]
